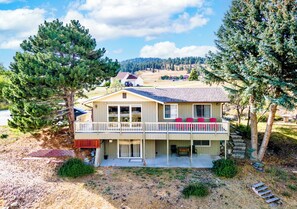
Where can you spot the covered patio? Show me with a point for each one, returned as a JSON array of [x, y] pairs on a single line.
[[198, 161]]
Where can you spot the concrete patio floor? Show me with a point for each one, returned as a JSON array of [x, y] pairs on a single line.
[[198, 161]]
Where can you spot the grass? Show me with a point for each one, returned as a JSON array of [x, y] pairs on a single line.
[[225, 168], [277, 172]]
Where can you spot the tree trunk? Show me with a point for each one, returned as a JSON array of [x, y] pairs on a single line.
[[273, 108], [70, 115], [249, 117], [238, 114], [254, 129]]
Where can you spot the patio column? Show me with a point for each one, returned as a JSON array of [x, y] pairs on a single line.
[[97, 157], [191, 150], [143, 154], [225, 149], [167, 151]]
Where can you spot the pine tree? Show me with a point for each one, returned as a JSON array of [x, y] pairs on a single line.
[[193, 75], [56, 65], [257, 58]]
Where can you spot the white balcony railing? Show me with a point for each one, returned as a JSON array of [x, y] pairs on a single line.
[[150, 127]]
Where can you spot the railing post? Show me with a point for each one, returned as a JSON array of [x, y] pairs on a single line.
[[120, 127]]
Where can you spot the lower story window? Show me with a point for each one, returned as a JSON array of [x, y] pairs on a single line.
[[202, 143]]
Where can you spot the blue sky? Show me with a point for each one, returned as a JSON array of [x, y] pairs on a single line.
[[125, 28]]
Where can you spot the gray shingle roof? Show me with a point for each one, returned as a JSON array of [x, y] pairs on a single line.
[[201, 94]]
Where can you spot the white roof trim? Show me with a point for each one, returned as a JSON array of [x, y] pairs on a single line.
[[123, 90]]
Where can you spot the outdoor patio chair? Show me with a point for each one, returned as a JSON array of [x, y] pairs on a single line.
[[201, 127], [213, 127], [189, 126], [179, 126], [173, 149]]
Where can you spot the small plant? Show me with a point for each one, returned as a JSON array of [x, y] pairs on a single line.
[[74, 168], [286, 194], [195, 189], [225, 168], [278, 172], [292, 187], [4, 136]]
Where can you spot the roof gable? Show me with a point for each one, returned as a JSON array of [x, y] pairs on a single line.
[[122, 75]]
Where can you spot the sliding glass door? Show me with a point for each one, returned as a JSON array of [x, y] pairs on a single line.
[[129, 148]]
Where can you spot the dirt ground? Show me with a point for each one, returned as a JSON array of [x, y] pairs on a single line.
[[34, 184]]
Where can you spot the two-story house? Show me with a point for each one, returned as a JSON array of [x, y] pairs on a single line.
[[155, 123]]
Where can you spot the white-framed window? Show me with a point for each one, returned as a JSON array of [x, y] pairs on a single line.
[[202, 143], [124, 113], [170, 111], [202, 110]]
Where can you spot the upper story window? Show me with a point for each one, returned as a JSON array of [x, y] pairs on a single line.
[[124, 95], [170, 111], [202, 111]]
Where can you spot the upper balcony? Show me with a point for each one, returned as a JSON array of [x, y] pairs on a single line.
[[153, 127]]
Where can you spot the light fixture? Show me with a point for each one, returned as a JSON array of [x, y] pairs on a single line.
[[110, 141]]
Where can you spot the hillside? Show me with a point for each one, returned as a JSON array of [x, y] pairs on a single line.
[[175, 64]]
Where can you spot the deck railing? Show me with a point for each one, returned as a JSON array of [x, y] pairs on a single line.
[[161, 127]]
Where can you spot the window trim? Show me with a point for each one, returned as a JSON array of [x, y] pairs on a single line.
[[170, 115], [203, 145], [193, 110]]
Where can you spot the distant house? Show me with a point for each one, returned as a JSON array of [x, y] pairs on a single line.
[[128, 79]]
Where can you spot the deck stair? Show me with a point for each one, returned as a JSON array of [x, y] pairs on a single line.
[[263, 191], [239, 147]]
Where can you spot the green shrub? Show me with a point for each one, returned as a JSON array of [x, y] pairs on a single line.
[[292, 187], [244, 130], [74, 168], [4, 136], [225, 167], [195, 189]]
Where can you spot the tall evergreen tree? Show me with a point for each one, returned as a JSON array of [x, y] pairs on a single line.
[[257, 58], [57, 64]]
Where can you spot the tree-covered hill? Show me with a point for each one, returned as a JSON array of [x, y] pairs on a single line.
[[183, 63]]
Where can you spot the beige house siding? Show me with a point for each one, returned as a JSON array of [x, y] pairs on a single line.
[[111, 148], [149, 149], [148, 110], [185, 110]]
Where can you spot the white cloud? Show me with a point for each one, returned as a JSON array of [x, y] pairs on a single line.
[[5, 1], [168, 49], [17, 25], [117, 51], [109, 19]]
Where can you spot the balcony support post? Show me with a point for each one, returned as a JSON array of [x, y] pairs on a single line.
[[167, 144], [97, 157], [225, 149], [191, 150]]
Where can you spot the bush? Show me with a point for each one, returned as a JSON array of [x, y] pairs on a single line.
[[225, 167], [195, 189], [244, 130], [74, 168]]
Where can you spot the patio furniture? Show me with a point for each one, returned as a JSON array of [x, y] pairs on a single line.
[[179, 126], [201, 127], [189, 126], [173, 149], [213, 127], [183, 151], [194, 150]]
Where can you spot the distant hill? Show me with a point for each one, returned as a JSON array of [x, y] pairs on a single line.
[[183, 63]]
